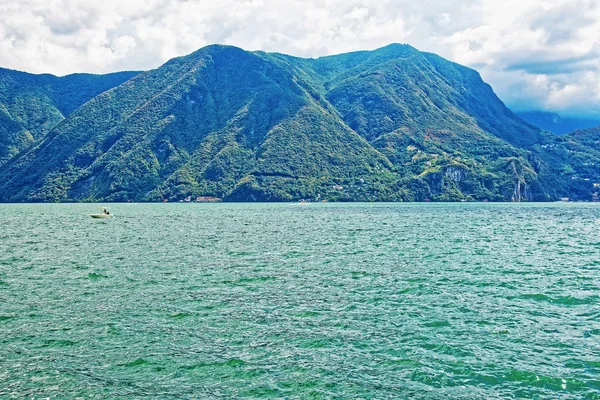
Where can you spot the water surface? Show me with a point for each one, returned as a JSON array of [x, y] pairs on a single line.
[[169, 301]]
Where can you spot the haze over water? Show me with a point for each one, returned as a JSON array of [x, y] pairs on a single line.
[[463, 301]]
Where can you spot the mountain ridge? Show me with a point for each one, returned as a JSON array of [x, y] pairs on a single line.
[[389, 124]]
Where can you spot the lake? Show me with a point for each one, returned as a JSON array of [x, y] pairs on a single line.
[[427, 301]]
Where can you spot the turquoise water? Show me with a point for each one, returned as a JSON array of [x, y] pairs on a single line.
[[169, 301]]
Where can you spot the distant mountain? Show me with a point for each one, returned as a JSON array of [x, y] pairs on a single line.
[[392, 124], [553, 122], [31, 105]]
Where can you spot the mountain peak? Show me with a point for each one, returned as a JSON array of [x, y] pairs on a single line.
[[401, 48]]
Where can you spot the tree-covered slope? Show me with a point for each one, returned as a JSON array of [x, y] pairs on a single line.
[[31, 105], [440, 125], [398, 86], [571, 164], [391, 124], [220, 121]]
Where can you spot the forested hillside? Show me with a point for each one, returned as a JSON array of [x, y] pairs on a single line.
[[393, 124], [31, 105]]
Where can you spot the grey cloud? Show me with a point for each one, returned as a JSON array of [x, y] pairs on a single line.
[[560, 66]]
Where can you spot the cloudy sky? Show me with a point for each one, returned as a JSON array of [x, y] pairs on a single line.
[[537, 54]]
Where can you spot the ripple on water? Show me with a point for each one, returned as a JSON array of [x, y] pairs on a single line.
[[465, 301], [562, 300]]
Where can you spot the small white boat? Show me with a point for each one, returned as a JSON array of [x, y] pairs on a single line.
[[104, 214], [100, 215]]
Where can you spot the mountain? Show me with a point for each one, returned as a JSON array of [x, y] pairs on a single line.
[[553, 122], [399, 87], [390, 124], [31, 105]]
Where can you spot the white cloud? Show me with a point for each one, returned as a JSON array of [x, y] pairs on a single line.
[[535, 53], [444, 18]]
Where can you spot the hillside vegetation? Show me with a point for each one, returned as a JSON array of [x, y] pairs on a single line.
[[393, 124], [31, 105]]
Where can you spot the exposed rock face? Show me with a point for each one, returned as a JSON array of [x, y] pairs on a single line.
[[436, 183], [455, 174], [522, 192], [443, 178], [521, 175]]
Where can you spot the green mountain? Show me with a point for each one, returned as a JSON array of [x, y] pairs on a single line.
[[391, 124], [573, 162], [31, 105]]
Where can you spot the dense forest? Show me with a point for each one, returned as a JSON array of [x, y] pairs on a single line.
[[393, 124], [31, 105]]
